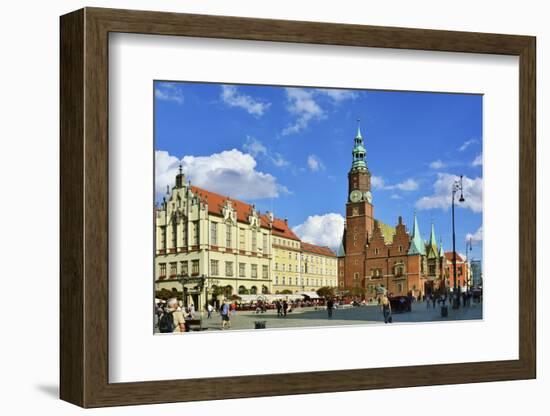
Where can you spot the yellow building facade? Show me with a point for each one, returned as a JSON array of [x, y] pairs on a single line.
[[209, 247]]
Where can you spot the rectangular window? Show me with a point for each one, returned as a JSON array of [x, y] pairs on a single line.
[[228, 242], [376, 273], [242, 241], [162, 267], [276, 280], [264, 243], [184, 268], [174, 235], [376, 251], [213, 234], [229, 268], [196, 233], [195, 267], [254, 241], [163, 237], [264, 272], [214, 269], [290, 281], [254, 271], [173, 269], [242, 270], [184, 234]]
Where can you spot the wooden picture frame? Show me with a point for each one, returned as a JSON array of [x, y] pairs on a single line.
[[84, 207]]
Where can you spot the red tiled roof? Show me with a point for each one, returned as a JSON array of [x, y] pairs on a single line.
[[449, 256], [216, 203], [323, 250], [281, 229]]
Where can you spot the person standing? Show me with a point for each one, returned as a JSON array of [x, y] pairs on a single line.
[[428, 302], [209, 310], [225, 312], [285, 308], [330, 306], [172, 319], [278, 305], [386, 309]]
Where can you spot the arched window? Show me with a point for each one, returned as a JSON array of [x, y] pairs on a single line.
[[253, 290]]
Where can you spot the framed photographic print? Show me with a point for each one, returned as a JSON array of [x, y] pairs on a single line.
[[291, 207]]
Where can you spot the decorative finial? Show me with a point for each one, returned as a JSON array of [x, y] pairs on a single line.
[[167, 189], [180, 168], [358, 127]]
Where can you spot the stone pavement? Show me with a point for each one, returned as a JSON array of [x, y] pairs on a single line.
[[309, 317]]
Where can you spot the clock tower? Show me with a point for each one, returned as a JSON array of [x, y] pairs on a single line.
[[359, 215]]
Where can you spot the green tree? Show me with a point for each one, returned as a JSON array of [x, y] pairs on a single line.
[[326, 292]]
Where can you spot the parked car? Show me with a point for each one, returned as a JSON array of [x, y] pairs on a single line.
[[400, 304]]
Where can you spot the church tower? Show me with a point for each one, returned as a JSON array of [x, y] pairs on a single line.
[[359, 215]]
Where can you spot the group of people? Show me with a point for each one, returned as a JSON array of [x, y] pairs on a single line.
[[172, 316], [441, 299], [283, 308]]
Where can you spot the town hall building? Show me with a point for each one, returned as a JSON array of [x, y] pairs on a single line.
[[374, 256]]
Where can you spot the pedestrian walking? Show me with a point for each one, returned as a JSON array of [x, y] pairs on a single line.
[[285, 308], [428, 302], [225, 312], [330, 306], [386, 309], [434, 299], [209, 310], [279, 307]]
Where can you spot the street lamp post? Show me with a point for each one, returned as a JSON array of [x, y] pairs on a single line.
[[457, 186]]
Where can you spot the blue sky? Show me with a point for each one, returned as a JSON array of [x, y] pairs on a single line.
[[288, 150]]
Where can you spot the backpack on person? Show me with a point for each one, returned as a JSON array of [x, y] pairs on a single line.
[[166, 323]]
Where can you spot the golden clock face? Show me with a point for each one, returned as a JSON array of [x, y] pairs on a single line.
[[355, 196]]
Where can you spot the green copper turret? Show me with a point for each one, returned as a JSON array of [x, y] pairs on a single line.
[[359, 152]]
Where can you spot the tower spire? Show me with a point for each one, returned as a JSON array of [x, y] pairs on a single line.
[[358, 136], [432, 244], [417, 243], [359, 152]]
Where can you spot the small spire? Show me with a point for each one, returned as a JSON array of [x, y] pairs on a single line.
[[359, 128], [167, 189], [180, 169]]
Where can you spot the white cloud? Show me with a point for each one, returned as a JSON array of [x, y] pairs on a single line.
[[437, 164], [315, 164], [466, 144], [407, 185], [478, 161], [377, 182], [256, 148], [396, 196], [166, 91], [301, 103], [323, 230], [230, 172], [231, 97], [475, 237], [441, 198], [338, 95]]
